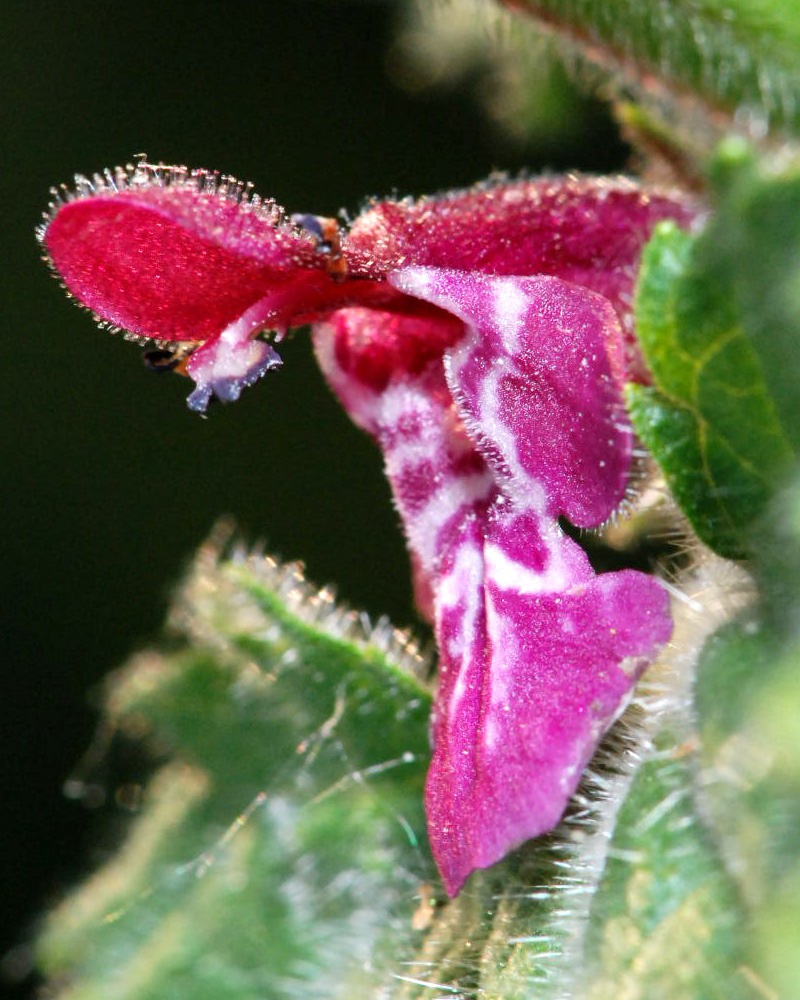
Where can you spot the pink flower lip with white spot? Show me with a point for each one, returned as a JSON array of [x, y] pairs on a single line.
[[482, 338]]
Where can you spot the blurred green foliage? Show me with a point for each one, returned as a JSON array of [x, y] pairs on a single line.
[[700, 66], [278, 854]]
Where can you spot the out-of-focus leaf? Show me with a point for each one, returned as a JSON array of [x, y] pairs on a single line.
[[279, 855], [747, 698], [665, 921], [736, 672], [774, 730], [709, 418], [518, 74], [706, 65], [752, 247], [748, 701]]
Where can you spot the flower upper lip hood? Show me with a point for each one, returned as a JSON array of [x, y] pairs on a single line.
[[175, 256], [482, 339]]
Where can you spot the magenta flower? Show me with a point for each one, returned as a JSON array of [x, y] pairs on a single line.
[[482, 339]]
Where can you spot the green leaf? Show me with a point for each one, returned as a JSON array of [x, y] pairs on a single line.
[[666, 924], [706, 65], [709, 419], [773, 730], [753, 248], [747, 699], [279, 854], [748, 702], [749, 820]]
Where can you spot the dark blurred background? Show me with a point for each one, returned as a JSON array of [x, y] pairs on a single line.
[[108, 482]]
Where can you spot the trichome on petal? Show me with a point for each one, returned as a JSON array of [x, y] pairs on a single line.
[[482, 338]]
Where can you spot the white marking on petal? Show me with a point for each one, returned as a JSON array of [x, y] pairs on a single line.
[[523, 486], [500, 637], [510, 309], [463, 585], [454, 493], [424, 437], [508, 574], [414, 280], [425, 442]]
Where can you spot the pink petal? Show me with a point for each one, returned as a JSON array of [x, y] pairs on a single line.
[[436, 474], [495, 399], [537, 653], [537, 379], [182, 256], [538, 656]]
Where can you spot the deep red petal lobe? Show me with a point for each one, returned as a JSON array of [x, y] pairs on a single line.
[[373, 345], [177, 268], [584, 229]]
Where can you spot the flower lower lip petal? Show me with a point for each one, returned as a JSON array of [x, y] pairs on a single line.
[[537, 653], [533, 677]]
